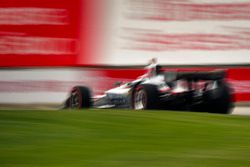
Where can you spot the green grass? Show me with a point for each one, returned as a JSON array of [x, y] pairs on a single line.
[[123, 138]]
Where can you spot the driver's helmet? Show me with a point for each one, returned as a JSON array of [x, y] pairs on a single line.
[[158, 69]]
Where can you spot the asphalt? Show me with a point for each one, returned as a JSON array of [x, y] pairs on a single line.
[[241, 110]]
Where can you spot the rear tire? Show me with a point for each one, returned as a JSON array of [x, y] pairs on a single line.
[[80, 97], [219, 100], [145, 97]]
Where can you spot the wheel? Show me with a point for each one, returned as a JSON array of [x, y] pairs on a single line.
[[145, 97], [80, 97], [219, 100]]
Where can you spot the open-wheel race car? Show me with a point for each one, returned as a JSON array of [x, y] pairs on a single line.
[[191, 91]]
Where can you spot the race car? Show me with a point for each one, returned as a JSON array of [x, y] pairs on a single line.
[[190, 91]]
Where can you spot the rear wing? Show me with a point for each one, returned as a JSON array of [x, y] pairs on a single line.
[[195, 76]]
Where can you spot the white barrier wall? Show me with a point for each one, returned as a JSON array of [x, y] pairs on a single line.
[[52, 85], [43, 85], [177, 32]]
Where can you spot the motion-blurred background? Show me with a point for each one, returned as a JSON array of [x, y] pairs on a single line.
[[48, 46]]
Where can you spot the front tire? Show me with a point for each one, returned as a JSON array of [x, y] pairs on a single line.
[[145, 97], [80, 97]]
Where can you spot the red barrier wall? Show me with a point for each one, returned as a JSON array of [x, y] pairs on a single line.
[[47, 32]]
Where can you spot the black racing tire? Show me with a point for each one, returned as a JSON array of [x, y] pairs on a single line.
[[80, 97], [145, 97], [219, 100]]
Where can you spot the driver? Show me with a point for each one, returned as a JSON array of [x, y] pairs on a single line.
[[153, 69]]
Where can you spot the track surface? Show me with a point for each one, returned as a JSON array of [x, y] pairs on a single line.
[[238, 110]]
